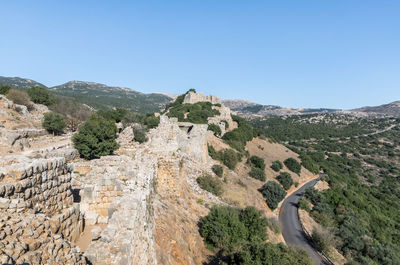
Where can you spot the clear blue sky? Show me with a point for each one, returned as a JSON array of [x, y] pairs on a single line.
[[337, 53]]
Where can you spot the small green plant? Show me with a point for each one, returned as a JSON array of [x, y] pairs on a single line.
[[139, 135], [200, 201], [304, 204], [210, 184], [218, 170], [277, 165]]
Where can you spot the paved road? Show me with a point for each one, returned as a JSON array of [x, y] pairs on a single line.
[[291, 228]]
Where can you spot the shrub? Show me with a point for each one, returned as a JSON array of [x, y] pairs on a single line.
[[139, 134], [274, 193], [230, 158], [238, 137], [20, 97], [53, 122], [269, 254], [226, 227], [74, 112], [210, 184], [116, 115], [4, 89], [274, 224], [96, 137], [304, 204], [151, 121], [257, 173], [212, 152], [256, 161], [323, 239], [218, 170], [285, 179], [293, 165], [41, 95], [277, 165], [215, 128]]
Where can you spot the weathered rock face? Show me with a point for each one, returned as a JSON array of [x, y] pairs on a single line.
[[192, 98], [38, 214], [128, 237], [172, 137]]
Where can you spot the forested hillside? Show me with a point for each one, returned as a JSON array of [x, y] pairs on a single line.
[[361, 158]]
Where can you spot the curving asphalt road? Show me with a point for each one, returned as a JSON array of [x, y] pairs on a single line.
[[291, 228]]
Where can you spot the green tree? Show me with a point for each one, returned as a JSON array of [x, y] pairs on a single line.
[[257, 173], [256, 161], [96, 137], [218, 170], [210, 184], [277, 165], [274, 193], [229, 158], [293, 165], [41, 95], [4, 89], [215, 128], [53, 122], [285, 179]]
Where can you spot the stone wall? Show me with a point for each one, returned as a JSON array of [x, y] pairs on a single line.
[[42, 186], [192, 98]]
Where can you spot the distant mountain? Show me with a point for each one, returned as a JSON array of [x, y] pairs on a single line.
[[391, 109], [17, 82], [103, 96], [248, 108], [98, 95]]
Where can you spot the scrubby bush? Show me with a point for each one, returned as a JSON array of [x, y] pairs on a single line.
[[226, 228], [285, 179], [257, 173], [215, 129], [96, 137], [256, 161], [238, 137], [304, 204], [269, 254], [139, 134], [274, 193], [218, 170], [41, 95], [210, 184], [4, 89], [293, 165], [324, 239], [73, 111], [212, 152], [230, 158], [116, 115], [53, 122], [274, 224], [151, 121], [277, 165], [20, 97]]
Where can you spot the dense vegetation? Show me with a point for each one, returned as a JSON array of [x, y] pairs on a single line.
[[53, 122], [210, 184], [239, 237], [273, 193], [96, 137], [285, 179], [362, 163], [215, 129], [238, 137], [41, 95]]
